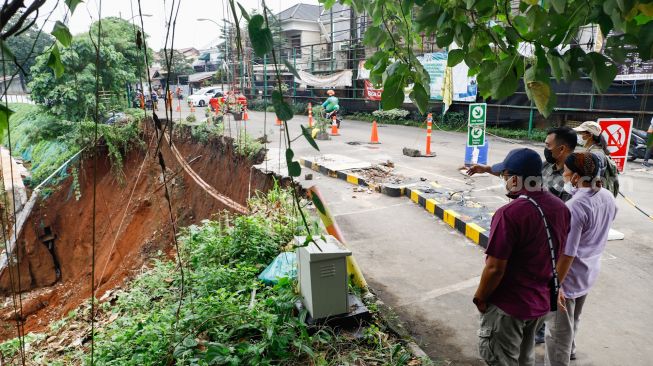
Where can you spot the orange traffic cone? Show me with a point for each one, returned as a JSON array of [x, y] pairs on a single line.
[[179, 106], [310, 115], [375, 134], [334, 127], [278, 122], [245, 115]]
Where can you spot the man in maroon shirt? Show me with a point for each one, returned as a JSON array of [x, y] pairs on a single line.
[[514, 293]]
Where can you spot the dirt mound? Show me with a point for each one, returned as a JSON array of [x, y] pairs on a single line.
[[132, 222]]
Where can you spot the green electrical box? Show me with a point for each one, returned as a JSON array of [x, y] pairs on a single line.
[[323, 276]]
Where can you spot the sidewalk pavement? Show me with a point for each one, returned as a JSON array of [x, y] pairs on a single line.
[[428, 271]]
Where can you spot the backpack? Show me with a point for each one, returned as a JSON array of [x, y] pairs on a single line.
[[608, 172]]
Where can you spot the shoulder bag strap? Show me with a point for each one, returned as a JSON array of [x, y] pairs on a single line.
[[549, 239]]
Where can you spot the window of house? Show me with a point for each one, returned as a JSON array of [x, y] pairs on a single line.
[[296, 43]]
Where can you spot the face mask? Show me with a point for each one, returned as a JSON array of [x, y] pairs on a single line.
[[569, 188], [548, 155], [580, 140]]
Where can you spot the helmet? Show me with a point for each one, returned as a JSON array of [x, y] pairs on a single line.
[[330, 92]]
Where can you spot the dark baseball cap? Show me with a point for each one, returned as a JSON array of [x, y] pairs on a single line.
[[523, 162]]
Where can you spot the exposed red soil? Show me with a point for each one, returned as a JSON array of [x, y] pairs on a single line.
[[145, 231]]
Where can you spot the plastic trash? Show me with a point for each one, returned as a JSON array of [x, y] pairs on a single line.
[[283, 266]]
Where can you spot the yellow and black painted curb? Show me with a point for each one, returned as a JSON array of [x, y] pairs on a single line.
[[391, 190], [472, 231]]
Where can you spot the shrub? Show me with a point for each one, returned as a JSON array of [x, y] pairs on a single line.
[[191, 118], [393, 114]]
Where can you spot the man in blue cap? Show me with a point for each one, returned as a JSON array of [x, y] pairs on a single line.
[[518, 286]]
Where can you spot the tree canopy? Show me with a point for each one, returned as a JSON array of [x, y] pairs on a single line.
[[25, 47], [71, 95], [503, 41]]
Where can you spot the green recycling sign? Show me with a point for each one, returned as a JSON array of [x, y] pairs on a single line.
[[476, 124]]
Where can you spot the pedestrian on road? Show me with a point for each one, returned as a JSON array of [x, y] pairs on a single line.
[[559, 143], [517, 286], [589, 137], [155, 100], [592, 211], [649, 149]]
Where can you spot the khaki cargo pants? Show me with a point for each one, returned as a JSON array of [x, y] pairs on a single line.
[[507, 341]]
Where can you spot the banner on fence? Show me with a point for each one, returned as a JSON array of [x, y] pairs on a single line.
[[435, 64], [464, 87], [370, 92]]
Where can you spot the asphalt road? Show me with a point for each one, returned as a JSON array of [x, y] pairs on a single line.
[[428, 272]]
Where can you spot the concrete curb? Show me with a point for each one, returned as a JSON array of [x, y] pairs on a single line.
[[471, 230], [392, 190], [445, 212]]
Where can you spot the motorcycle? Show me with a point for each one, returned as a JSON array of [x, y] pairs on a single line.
[[637, 147], [329, 116]]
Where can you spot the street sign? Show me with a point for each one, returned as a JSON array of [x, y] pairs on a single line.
[[616, 132], [476, 124], [476, 154]]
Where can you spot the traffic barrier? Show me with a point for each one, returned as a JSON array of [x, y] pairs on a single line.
[[375, 134], [332, 228], [429, 127], [310, 115], [334, 127]]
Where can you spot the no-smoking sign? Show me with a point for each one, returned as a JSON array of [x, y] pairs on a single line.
[[616, 132]]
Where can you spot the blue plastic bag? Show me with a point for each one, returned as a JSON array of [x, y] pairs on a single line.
[[284, 265]]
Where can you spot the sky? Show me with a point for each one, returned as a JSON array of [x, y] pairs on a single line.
[[188, 33]]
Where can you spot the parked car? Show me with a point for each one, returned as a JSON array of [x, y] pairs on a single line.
[[202, 97]]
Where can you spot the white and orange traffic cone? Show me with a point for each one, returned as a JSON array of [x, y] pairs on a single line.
[[245, 115], [334, 127], [310, 115], [278, 122], [429, 127]]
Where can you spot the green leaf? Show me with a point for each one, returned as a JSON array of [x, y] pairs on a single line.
[[309, 137], [505, 78], [602, 71], [374, 36], [559, 5], [455, 57], [260, 35], [72, 4], [393, 88], [5, 113], [420, 97], [244, 12], [376, 57], [62, 34], [294, 169], [281, 108], [54, 61], [6, 51], [646, 41], [538, 87], [559, 68], [291, 68], [531, 2], [444, 37]]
